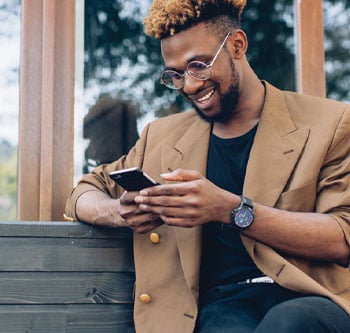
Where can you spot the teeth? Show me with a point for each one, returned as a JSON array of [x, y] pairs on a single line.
[[206, 97]]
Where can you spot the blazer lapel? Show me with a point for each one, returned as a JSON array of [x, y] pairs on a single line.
[[190, 152], [275, 152]]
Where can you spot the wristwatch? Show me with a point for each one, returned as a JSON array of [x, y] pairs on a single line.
[[243, 216]]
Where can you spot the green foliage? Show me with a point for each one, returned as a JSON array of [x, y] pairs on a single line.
[[8, 181]]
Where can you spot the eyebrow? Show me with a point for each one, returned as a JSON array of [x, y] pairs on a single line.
[[194, 58]]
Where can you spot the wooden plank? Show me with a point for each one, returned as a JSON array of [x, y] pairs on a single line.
[[15, 320], [100, 318], [62, 254], [102, 322], [66, 288], [61, 229], [311, 77]]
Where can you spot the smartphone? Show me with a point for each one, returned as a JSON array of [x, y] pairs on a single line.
[[133, 179]]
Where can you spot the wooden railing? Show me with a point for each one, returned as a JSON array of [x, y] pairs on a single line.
[[65, 277]]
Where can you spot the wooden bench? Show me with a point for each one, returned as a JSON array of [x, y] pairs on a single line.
[[65, 277]]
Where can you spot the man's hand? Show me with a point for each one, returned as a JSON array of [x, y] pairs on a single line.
[[134, 217], [99, 208], [190, 201]]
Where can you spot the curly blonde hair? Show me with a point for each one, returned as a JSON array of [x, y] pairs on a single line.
[[167, 17]]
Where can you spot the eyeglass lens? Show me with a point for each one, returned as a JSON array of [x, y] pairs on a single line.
[[196, 69]]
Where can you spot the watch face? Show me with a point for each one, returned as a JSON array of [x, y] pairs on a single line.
[[244, 217]]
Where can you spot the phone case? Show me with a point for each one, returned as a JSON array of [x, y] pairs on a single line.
[[133, 179]]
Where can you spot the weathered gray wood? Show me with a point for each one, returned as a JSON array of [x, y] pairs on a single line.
[[65, 277], [61, 229], [110, 320], [65, 254], [65, 288]]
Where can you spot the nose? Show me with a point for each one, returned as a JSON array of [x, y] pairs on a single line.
[[191, 85]]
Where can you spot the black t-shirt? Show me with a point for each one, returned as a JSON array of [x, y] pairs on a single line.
[[224, 257]]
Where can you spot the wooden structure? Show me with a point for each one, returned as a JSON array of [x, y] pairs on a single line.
[[65, 277], [311, 77]]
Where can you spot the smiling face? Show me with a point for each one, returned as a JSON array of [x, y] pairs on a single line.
[[214, 99]]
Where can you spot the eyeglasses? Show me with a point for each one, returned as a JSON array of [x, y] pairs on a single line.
[[195, 69]]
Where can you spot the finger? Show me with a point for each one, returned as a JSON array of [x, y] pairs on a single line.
[[169, 198], [147, 227], [180, 222], [181, 175], [177, 189], [171, 212], [127, 211], [127, 198], [143, 228], [134, 221]]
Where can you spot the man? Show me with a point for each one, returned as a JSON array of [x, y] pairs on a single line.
[[250, 229]]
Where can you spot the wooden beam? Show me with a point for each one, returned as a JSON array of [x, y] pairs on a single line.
[[29, 114], [45, 169], [310, 47]]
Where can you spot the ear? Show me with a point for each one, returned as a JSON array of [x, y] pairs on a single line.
[[238, 44]]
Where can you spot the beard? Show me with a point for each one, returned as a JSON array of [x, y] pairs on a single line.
[[228, 101]]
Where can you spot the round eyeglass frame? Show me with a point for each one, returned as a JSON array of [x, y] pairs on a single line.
[[195, 69]]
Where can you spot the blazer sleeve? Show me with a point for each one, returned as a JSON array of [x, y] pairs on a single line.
[[334, 181], [99, 179]]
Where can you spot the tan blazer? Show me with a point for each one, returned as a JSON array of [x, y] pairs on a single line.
[[300, 161]]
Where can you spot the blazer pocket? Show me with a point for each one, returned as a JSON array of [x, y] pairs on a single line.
[[301, 199]]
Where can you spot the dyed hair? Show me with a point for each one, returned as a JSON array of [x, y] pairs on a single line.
[[168, 17]]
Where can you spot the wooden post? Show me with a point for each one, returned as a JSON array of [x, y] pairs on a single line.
[[310, 47], [45, 168]]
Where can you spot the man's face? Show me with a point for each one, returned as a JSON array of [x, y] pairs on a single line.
[[214, 99]]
